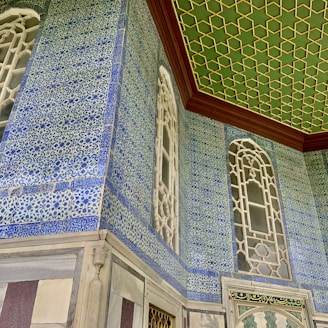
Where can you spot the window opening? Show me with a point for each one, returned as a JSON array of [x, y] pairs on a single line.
[[18, 28], [260, 237], [159, 318], [166, 175]]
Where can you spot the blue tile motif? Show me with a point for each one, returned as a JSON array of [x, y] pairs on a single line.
[[56, 146]]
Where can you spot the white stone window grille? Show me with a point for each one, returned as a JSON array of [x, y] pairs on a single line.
[[259, 229], [18, 28], [166, 175], [159, 319]]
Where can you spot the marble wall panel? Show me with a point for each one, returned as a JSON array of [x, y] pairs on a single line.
[[3, 289], [18, 304], [206, 320], [35, 303], [52, 302], [126, 301]]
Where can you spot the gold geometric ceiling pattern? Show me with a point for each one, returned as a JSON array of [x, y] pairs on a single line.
[[266, 56]]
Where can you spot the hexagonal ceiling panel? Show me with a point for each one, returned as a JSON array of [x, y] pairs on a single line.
[[269, 57]]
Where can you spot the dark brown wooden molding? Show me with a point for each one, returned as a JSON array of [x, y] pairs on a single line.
[[201, 103], [168, 29], [233, 115], [314, 142]]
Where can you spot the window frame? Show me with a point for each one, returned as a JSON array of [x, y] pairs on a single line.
[[18, 46], [261, 245], [166, 185]]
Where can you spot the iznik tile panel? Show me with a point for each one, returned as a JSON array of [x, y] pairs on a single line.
[[55, 148]]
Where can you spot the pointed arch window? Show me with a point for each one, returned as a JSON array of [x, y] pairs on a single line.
[[166, 173], [259, 229], [18, 28]]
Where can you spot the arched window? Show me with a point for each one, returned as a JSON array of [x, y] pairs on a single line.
[[18, 28], [166, 175], [259, 229]]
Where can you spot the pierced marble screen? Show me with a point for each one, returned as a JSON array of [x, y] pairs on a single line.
[[159, 319], [259, 230], [166, 175], [18, 28]]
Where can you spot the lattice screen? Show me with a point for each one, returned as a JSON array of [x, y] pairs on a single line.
[[259, 229], [18, 28], [166, 180], [159, 319]]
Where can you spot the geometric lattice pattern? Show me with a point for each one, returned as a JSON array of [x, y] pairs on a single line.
[[166, 177], [17, 33], [267, 57], [159, 319], [259, 229]]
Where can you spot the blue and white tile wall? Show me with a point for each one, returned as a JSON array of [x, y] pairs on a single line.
[[209, 233], [81, 141], [317, 166], [55, 149], [128, 206], [307, 252]]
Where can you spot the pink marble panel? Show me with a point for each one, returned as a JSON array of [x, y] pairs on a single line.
[[127, 314], [18, 304]]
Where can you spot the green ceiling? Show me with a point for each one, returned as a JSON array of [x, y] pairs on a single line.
[[269, 57]]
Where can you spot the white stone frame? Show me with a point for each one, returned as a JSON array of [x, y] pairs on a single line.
[[159, 318], [165, 299], [259, 229], [166, 186], [156, 291], [18, 28], [268, 303]]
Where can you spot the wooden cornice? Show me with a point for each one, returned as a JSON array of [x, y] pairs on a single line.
[[233, 115], [201, 103], [170, 35], [314, 142]]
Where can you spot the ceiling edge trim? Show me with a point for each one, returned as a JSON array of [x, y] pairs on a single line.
[[236, 116], [163, 15], [315, 142]]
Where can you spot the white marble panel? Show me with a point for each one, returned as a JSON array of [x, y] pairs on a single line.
[[259, 318], [115, 311], [195, 320], [206, 320], [48, 325], [212, 320], [37, 267], [52, 301], [322, 325], [281, 321], [3, 289], [127, 285], [137, 316]]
